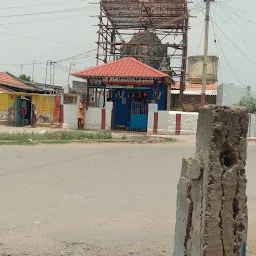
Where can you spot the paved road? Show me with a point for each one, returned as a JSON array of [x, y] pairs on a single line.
[[95, 199]]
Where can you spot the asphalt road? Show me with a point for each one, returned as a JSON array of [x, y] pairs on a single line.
[[95, 199]]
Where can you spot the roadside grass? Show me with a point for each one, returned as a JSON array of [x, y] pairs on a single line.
[[169, 140], [60, 137], [67, 137]]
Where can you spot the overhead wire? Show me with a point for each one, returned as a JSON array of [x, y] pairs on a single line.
[[237, 47], [217, 50], [45, 12], [225, 56], [239, 18], [45, 4], [41, 20], [240, 37], [41, 39]]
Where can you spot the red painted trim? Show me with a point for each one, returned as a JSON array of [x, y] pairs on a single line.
[[178, 124], [166, 98], [61, 115], [155, 127], [103, 119], [203, 99], [112, 120]]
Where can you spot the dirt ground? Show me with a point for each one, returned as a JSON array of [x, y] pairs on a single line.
[[96, 199]]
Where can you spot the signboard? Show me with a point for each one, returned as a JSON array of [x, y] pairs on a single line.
[[70, 99], [79, 87], [118, 86]]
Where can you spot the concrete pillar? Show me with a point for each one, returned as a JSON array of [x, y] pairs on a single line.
[[211, 200]]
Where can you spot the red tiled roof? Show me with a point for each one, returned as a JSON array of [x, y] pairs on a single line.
[[196, 87], [126, 67], [8, 80]]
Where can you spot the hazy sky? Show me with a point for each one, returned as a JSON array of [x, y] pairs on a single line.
[[64, 28]]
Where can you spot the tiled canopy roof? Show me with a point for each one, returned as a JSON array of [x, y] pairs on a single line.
[[127, 68]]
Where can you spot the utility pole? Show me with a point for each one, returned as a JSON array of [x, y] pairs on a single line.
[[46, 73], [206, 42], [69, 73], [33, 70], [21, 69]]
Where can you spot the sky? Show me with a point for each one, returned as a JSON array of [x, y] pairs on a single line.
[[42, 30]]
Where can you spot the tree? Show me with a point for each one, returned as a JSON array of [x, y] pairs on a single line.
[[249, 103], [24, 78]]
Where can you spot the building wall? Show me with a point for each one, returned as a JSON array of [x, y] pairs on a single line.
[[7, 108], [47, 108], [4, 105], [70, 114], [99, 119], [178, 122], [252, 126], [197, 99], [230, 94], [187, 99], [172, 122], [93, 119]]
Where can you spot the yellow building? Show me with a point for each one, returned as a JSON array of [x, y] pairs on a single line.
[[22, 105]]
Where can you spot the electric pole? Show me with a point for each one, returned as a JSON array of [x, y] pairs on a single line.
[[206, 42], [69, 72], [46, 73], [21, 69], [33, 70]]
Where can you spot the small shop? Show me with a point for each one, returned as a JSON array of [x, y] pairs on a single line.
[[131, 86], [29, 109]]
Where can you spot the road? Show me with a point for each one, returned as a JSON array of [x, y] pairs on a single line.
[[96, 199]]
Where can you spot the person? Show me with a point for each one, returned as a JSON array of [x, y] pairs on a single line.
[[139, 97], [81, 112], [23, 110], [145, 98]]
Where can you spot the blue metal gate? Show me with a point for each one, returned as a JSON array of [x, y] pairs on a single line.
[[139, 117]]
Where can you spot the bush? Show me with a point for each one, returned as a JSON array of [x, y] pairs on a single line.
[[249, 103]]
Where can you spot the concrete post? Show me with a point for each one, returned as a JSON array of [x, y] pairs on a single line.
[[211, 201]]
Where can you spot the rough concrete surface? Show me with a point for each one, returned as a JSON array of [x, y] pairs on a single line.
[[96, 199], [213, 221]]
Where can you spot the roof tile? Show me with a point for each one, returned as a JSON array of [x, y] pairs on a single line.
[[125, 67], [8, 80], [196, 87]]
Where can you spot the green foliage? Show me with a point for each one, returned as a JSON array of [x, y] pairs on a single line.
[[24, 77], [53, 137], [249, 103]]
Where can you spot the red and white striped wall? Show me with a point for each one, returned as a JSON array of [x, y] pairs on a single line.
[[99, 119], [172, 122]]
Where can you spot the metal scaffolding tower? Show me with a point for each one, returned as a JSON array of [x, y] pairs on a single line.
[[168, 19]]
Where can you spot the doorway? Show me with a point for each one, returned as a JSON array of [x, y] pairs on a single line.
[[23, 109]]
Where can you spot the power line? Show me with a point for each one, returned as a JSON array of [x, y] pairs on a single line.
[[237, 47], [36, 5], [216, 45], [14, 64], [201, 37], [40, 20], [233, 20], [42, 40], [238, 33], [46, 12], [76, 56], [223, 52]]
